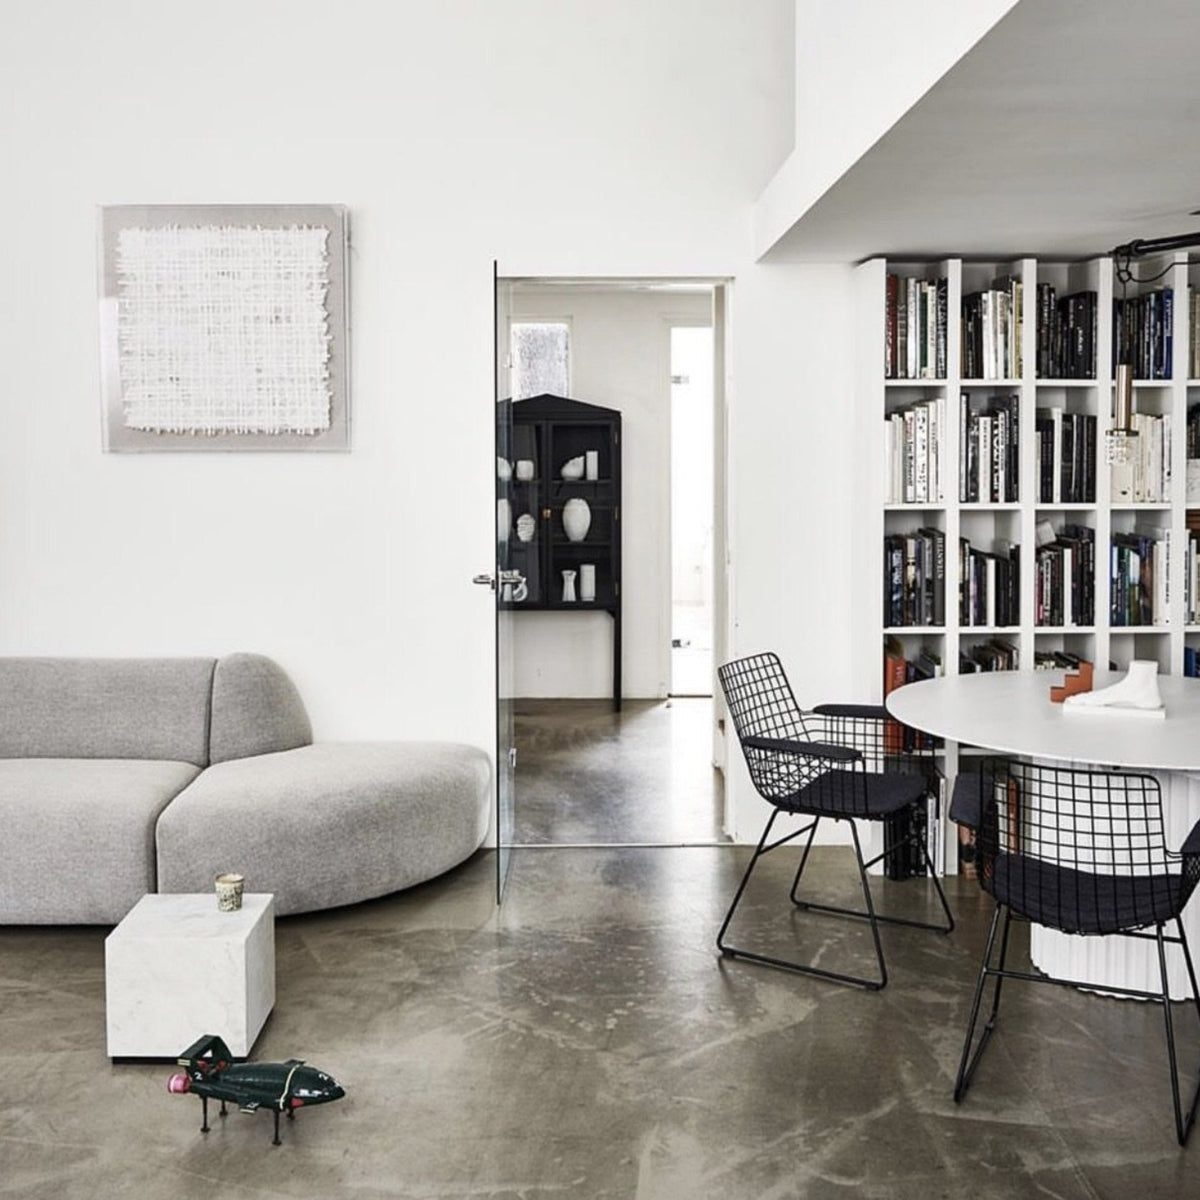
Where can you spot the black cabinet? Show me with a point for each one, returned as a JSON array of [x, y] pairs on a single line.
[[559, 495]]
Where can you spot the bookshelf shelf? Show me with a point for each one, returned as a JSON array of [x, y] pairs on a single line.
[[1063, 531]]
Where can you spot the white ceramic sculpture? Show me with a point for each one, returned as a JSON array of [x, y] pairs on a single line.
[[591, 464], [576, 519], [587, 581], [572, 468], [503, 469], [1135, 695], [524, 469], [525, 527], [503, 520], [568, 587]]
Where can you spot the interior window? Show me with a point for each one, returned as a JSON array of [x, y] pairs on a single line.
[[541, 354]]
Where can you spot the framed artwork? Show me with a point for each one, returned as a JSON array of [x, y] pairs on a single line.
[[224, 327]]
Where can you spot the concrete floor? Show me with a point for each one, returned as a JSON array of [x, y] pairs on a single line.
[[587, 1041], [587, 775]]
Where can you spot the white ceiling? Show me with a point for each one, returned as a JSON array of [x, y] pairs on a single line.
[[1072, 127]]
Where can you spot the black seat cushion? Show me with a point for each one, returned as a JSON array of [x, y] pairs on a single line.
[[1080, 902], [857, 794]]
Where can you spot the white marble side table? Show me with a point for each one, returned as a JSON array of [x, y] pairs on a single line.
[[176, 968]]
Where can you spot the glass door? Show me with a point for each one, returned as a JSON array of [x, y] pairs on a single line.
[[507, 582]]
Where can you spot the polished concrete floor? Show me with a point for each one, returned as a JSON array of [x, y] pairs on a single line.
[[587, 775], [586, 1041]]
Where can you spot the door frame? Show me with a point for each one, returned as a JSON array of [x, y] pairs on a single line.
[[723, 608]]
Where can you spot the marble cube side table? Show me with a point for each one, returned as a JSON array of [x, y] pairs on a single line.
[[176, 968]]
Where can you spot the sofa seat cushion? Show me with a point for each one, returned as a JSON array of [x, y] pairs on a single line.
[[328, 824], [77, 836]]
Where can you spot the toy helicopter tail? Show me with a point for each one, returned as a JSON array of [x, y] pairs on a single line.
[[208, 1050]]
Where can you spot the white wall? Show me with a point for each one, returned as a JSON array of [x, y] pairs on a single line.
[[620, 358], [560, 137], [792, 465], [860, 66]]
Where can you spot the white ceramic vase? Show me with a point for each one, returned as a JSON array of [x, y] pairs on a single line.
[[568, 587], [576, 518], [503, 519], [587, 582]]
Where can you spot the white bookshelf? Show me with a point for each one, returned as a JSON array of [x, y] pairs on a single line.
[[989, 525]]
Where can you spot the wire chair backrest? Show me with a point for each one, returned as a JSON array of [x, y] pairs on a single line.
[[760, 699], [1078, 849], [820, 768]]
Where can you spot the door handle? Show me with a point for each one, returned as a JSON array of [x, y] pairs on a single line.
[[486, 580]]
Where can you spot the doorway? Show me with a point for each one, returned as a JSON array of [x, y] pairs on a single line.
[[691, 510], [646, 775]]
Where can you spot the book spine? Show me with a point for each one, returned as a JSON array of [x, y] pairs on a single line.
[[943, 303], [889, 326], [921, 454]]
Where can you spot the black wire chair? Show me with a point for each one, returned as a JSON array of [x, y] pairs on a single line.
[[845, 762], [1083, 852]]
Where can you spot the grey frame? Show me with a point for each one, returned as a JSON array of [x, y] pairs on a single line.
[[113, 218]]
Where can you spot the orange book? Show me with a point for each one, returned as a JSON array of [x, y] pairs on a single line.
[[895, 674]]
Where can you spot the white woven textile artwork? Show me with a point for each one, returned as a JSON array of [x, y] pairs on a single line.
[[224, 329]]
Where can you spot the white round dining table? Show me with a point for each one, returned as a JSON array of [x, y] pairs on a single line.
[[1010, 712]]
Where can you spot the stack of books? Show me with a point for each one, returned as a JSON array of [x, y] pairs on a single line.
[[1065, 451], [914, 340], [991, 331], [914, 462], [1193, 371], [992, 655], [988, 452], [1191, 571], [1066, 334], [1139, 577], [1142, 333], [914, 578], [1146, 477], [1064, 586], [988, 585]]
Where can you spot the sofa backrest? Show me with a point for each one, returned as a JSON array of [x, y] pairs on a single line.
[[106, 708], [195, 710], [255, 709]]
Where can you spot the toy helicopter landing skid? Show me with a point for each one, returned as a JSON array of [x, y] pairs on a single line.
[[210, 1071]]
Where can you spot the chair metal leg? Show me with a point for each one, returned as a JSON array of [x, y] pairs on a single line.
[[969, 1061], [762, 848], [868, 913], [1183, 1126], [937, 883], [866, 887], [1187, 958], [737, 896], [872, 915], [803, 863]]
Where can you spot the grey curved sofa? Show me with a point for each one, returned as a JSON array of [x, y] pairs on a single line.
[[125, 776]]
